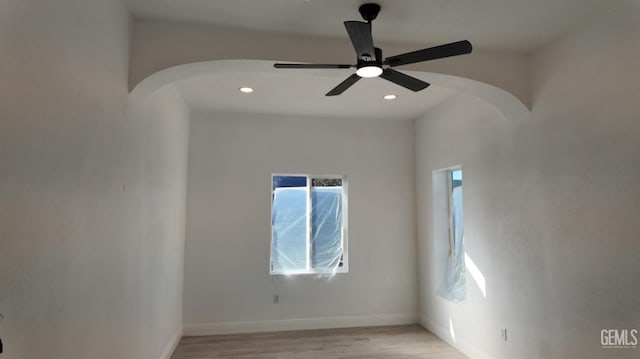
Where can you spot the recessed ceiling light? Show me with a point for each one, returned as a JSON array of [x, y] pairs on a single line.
[[246, 89], [390, 97]]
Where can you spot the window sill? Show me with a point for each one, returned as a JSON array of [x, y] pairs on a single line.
[[309, 273]]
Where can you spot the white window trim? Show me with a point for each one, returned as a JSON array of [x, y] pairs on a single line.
[[345, 224]]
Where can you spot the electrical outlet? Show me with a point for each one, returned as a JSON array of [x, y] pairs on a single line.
[[276, 299], [503, 334]]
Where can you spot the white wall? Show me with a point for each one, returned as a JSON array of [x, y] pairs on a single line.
[[550, 204], [91, 200], [231, 158], [161, 137]]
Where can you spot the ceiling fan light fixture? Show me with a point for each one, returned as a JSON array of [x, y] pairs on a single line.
[[369, 71]]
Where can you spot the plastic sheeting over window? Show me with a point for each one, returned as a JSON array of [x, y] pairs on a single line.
[[326, 227], [454, 286], [307, 225], [289, 243]]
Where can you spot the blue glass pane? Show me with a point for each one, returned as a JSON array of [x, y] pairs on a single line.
[[456, 178], [289, 181]]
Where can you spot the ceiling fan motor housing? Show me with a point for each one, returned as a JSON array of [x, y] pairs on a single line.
[[377, 61]]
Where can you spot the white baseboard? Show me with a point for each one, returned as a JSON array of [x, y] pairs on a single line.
[[460, 344], [171, 347], [299, 324]]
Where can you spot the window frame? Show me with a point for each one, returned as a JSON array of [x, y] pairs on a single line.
[[344, 263]]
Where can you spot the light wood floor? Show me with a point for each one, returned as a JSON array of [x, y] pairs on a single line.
[[407, 341]]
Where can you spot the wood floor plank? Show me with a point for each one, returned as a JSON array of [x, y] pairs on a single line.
[[401, 342]]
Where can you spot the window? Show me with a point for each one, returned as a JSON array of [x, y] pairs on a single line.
[[456, 226], [450, 234], [308, 224]]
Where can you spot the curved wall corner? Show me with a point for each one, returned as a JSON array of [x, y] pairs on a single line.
[[159, 45], [506, 103]]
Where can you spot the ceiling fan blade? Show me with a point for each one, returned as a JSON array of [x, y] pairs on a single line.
[[432, 53], [312, 66], [403, 80], [360, 35], [344, 85]]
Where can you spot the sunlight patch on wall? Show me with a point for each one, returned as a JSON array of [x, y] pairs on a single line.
[[477, 276], [452, 331]]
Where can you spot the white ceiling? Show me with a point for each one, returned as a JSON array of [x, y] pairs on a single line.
[[278, 92], [521, 25]]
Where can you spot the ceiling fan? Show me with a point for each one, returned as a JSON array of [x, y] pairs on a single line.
[[370, 62]]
